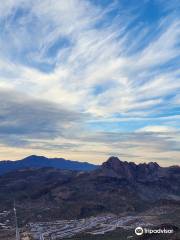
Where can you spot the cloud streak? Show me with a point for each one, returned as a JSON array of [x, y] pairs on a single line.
[[25, 117]]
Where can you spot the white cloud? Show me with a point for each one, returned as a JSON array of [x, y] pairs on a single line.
[[95, 56], [157, 129], [163, 48]]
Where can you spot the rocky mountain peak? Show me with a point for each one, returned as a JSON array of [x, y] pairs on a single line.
[[112, 162], [114, 167], [153, 165]]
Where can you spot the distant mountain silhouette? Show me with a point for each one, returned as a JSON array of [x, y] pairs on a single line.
[[34, 161]]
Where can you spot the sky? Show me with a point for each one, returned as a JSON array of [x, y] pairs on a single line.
[[87, 79]]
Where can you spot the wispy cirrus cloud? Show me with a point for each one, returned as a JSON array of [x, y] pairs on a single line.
[[111, 62]]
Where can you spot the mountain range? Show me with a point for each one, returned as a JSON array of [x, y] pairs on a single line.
[[34, 161], [114, 187]]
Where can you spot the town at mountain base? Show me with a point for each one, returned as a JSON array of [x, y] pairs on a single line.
[[115, 188]]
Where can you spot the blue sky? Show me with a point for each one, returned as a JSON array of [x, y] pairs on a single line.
[[88, 79]]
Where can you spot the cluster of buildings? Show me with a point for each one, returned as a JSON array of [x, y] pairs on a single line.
[[68, 228]]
